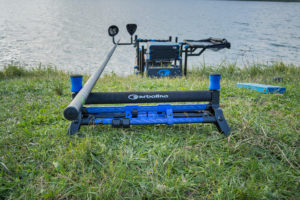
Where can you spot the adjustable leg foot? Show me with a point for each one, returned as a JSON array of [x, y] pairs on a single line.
[[221, 121], [75, 126]]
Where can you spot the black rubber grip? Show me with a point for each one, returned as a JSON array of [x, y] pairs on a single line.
[[148, 97]]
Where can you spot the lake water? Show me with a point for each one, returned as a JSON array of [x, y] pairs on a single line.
[[72, 34]]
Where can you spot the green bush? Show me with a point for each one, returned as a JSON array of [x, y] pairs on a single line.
[[12, 71]]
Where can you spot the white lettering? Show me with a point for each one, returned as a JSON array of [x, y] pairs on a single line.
[[155, 96]]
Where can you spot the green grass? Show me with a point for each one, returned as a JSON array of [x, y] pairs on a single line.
[[260, 160]]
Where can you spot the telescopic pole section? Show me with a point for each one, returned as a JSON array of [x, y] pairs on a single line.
[[72, 111]]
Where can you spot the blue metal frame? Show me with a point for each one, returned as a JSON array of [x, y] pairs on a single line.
[[169, 114], [156, 114], [155, 108]]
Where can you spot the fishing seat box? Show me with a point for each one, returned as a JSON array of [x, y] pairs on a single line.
[[163, 51]]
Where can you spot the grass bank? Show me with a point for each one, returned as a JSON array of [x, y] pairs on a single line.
[[260, 160]]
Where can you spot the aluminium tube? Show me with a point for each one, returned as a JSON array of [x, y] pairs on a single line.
[[72, 111]]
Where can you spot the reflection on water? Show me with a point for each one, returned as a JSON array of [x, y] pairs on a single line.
[[72, 34]]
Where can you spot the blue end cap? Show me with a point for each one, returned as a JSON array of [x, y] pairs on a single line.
[[186, 46], [214, 81], [76, 83]]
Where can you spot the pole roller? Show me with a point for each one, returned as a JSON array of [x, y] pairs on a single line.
[[72, 110]]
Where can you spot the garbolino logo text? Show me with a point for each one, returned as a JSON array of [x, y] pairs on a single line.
[[147, 96]]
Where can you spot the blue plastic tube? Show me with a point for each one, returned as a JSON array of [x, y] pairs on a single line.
[[214, 81], [76, 83]]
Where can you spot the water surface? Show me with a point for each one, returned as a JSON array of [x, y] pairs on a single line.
[[72, 34]]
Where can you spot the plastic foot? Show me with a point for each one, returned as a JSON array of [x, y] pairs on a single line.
[[75, 126], [221, 121]]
